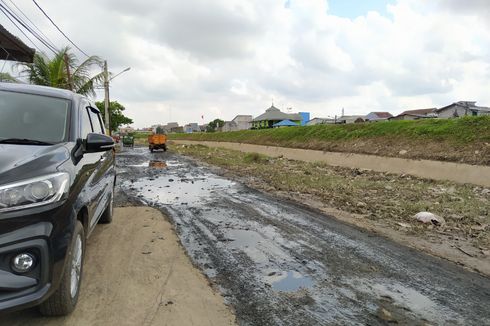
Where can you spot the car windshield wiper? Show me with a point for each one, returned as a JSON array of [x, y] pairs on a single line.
[[23, 141]]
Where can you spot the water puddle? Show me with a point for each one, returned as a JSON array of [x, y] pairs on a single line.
[[290, 281], [172, 189], [409, 298]]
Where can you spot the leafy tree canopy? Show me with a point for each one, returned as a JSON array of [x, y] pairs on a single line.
[[117, 117], [52, 72], [214, 125]]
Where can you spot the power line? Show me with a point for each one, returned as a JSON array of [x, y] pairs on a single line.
[[20, 29], [6, 9], [52, 22], [33, 24]]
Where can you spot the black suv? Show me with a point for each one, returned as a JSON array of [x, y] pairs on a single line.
[[57, 180]]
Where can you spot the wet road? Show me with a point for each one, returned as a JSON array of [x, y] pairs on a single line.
[[279, 263]]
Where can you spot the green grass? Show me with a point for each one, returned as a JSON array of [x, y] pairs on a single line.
[[462, 131]]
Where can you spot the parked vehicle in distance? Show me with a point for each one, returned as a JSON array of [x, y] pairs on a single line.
[[157, 141], [128, 141], [57, 180]]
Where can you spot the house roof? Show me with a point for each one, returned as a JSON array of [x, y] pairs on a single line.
[[285, 123], [417, 112], [242, 118], [275, 114], [465, 104], [13, 49], [383, 115]]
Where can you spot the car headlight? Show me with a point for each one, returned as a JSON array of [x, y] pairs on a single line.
[[34, 192]]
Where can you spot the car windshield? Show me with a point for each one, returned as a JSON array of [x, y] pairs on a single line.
[[33, 117]]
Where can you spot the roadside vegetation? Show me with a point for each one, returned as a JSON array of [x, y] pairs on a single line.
[[378, 197], [464, 139]]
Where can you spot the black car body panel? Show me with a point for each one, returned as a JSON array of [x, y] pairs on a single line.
[[46, 231]]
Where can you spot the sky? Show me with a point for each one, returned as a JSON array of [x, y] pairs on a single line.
[[220, 58]]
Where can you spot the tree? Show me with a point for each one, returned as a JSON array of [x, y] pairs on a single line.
[[116, 114], [214, 125], [53, 72]]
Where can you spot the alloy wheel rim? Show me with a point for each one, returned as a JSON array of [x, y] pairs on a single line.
[[76, 266]]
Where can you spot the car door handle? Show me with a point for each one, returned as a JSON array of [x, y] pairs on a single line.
[[102, 158]]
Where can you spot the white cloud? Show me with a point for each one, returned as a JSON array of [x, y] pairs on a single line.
[[227, 57]]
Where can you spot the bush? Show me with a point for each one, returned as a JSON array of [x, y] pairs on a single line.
[[255, 158]]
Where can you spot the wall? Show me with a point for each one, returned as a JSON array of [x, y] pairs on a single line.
[[435, 170]]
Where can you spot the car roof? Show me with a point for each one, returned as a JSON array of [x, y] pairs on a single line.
[[39, 90]]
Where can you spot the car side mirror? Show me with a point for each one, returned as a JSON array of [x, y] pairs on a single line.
[[98, 143]]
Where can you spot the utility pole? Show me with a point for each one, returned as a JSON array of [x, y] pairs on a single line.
[[68, 75], [106, 99]]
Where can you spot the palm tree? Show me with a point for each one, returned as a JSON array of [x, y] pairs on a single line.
[[53, 72]]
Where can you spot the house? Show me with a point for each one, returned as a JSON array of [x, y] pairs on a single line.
[[240, 122], [462, 108], [273, 115], [351, 119], [169, 126], [378, 116], [191, 127], [177, 129], [416, 114], [243, 122], [126, 130], [320, 121]]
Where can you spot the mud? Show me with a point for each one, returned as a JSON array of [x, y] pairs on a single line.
[[281, 263]]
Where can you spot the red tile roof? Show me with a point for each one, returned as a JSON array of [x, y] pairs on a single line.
[[385, 115], [418, 112]]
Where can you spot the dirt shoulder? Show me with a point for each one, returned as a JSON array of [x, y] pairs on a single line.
[[383, 203], [137, 273]]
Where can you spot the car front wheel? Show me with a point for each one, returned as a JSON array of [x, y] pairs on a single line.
[[64, 300]]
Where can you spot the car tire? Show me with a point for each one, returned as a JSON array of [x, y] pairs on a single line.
[[164, 148], [65, 298], [106, 217]]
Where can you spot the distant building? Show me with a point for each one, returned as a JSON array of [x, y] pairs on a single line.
[[191, 127], [240, 122], [273, 115], [126, 130], [320, 121], [416, 114], [169, 126], [461, 109], [351, 119], [378, 116], [177, 130]]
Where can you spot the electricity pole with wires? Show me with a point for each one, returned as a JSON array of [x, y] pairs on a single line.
[[106, 95], [106, 98]]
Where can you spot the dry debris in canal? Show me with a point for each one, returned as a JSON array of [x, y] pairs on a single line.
[[392, 199]]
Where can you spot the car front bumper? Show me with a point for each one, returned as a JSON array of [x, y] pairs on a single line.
[[39, 233]]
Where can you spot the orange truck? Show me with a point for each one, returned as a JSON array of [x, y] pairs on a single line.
[[157, 141]]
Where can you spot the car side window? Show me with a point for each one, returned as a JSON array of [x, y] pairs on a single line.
[[86, 127], [96, 120]]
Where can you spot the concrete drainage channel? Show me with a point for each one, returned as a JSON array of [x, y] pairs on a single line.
[[277, 263], [435, 170]]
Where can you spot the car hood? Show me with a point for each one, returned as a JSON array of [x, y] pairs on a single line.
[[19, 162]]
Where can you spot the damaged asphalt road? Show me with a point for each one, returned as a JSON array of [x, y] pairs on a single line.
[[279, 263]]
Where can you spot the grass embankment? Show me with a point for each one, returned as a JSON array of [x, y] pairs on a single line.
[[376, 196], [460, 140]]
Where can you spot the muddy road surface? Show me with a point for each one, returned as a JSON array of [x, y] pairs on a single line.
[[280, 263]]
